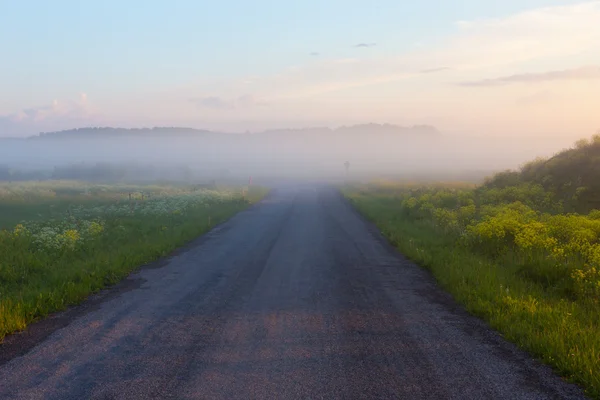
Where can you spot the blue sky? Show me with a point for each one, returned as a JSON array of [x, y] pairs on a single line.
[[153, 62]]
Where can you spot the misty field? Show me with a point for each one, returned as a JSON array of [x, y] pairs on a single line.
[[513, 251], [61, 241]]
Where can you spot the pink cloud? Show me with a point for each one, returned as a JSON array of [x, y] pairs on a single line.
[[60, 114]]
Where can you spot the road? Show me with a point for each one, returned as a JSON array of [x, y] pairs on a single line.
[[296, 298]]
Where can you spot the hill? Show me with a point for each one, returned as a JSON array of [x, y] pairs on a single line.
[[572, 176], [362, 129], [103, 132]]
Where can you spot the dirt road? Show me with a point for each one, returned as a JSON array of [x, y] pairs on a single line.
[[296, 298]]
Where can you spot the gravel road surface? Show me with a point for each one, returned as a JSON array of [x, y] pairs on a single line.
[[296, 298]]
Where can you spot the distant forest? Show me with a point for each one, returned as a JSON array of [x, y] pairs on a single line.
[[370, 129]]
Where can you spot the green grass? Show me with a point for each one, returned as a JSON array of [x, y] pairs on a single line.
[[38, 201], [35, 282], [562, 332], [13, 212]]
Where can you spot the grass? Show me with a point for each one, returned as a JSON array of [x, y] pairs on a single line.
[[562, 332], [38, 201], [60, 259]]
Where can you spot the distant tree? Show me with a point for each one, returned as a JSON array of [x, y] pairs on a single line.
[[504, 179], [582, 143]]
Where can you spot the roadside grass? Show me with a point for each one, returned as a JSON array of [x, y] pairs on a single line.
[[562, 331], [62, 258]]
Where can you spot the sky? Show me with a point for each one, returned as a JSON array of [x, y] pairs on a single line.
[[513, 68]]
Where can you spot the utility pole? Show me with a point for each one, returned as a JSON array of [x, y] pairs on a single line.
[[347, 165]]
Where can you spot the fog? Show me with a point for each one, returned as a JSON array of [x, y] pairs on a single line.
[[372, 150], [503, 83]]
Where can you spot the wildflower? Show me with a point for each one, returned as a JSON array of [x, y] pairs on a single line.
[[20, 230], [95, 228]]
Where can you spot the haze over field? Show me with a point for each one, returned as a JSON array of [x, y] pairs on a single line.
[[373, 151], [499, 84]]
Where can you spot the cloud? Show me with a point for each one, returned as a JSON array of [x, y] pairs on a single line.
[[315, 54], [213, 102], [433, 70], [418, 81], [540, 98], [68, 108], [583, 73], [532, 36], [219, 103], [250, 101], [542, 33], [359, 45], [60, 114], [327, 76]]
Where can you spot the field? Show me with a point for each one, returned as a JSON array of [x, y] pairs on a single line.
[[61, 241], [511, 256]]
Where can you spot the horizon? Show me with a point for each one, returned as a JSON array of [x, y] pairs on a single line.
[[520, 69], [279, 129], [530, 147], [314, 152], [556, 138]]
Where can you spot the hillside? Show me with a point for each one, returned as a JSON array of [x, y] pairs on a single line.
[[572, 176]]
